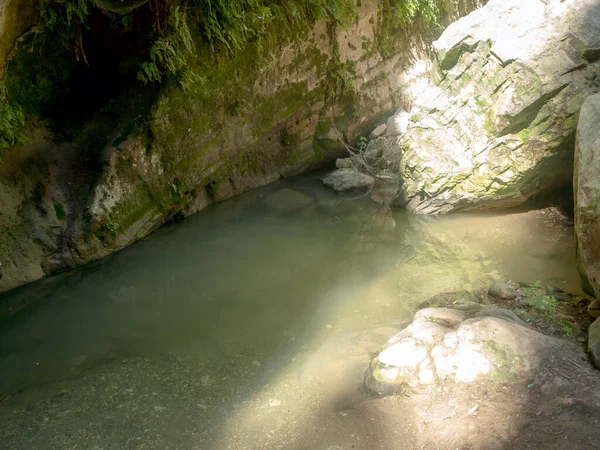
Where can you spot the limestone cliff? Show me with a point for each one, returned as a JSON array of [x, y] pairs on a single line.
[[132, 157]]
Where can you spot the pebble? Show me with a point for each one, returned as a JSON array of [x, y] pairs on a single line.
[[159, 408], [256, 363]]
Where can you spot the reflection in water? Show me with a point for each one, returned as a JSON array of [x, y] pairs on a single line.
[[236, 297]]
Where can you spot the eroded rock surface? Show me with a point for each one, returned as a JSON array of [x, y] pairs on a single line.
[[445, 344], [587, 195], [499, 123]]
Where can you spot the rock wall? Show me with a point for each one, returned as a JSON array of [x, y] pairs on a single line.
[[497, 125], [16, 17], [248, 125], [493, 122], [587, 195]]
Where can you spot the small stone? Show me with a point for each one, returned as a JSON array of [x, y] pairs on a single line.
[[202, 406], [343, 180], [274, 402], [379, 131], [256, 363], [503, 291], [159, 408], [204, 380]]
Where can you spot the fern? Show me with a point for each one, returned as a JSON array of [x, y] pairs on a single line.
[[169, 54], [11, 121]]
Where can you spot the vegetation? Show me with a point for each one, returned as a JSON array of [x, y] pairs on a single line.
[[57, 69], [400, 17], [59, 209], [11, 120]]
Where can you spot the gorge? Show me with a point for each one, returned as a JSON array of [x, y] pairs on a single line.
[[182, 265]]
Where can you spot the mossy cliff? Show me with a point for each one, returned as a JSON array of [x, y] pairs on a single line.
[[123, 119]]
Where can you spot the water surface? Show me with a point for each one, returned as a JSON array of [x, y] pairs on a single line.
[[196, 336]]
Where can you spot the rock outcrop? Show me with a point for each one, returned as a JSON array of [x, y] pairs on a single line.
[[498, 127], [444, 344], [237, 125], [587, 195]]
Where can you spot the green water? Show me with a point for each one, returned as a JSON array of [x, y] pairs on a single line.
[[200, 335]]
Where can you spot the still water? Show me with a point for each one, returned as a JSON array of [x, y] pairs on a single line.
[[196, 336]]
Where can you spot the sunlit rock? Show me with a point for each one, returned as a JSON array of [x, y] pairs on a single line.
[[494, 345], [406, 353], [498, 125], [397, 124]]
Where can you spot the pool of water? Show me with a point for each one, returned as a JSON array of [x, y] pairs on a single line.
[[197, 334]]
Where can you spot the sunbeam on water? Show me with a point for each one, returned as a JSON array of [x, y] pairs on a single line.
[[227, 330]]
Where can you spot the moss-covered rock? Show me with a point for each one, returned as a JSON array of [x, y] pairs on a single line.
[[498, 125], [129, 146]]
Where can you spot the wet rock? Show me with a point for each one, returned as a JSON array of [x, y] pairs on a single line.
[[495, 126], [344, 180], [495, 345], [587, 195], [503, 291]]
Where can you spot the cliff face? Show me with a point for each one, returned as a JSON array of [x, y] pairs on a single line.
[[16, 17], [74, 194]]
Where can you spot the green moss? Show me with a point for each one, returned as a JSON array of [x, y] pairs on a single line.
[[59, 209], [506, 369], [397, 19], [524, 134], [11, 121]]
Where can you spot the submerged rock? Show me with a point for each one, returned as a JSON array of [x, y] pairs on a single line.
[[499, 124], [343, 180], [287, 199], [442, 344]]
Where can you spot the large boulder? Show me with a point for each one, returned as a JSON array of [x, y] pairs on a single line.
[[499, 124], [587, 195], [444, 345]]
